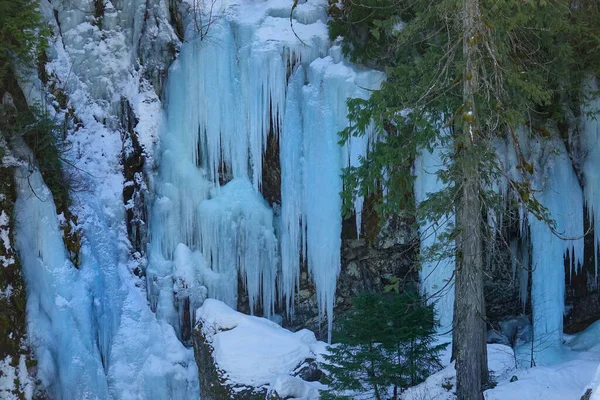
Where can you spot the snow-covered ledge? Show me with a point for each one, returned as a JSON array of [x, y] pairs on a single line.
[[245, 357]]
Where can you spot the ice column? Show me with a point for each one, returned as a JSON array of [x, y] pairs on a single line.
[[436, 274]]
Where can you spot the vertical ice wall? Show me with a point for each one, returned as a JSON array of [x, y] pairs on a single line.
[[226, 94], [60, 313], [436, 274], [557, 189]]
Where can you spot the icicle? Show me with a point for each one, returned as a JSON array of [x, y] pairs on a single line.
[[524, 272], [290, 156], [237, 234], [226, 94], [324, 116]]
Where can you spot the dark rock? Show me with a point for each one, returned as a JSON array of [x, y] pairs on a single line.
[[271, 172], [212, 385], [366, 266], [309, 371], [135, 189]]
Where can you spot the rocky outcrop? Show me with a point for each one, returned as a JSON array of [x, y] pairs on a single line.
[[248, 358]]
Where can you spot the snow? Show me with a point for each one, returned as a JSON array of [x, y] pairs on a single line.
[[562, 372], [15, 382], [566, 379], [256, 352], [5, 239], [292, 387]]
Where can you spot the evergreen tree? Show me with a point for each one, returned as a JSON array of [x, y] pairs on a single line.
[[384, 345], [480, 69], [22, 36]]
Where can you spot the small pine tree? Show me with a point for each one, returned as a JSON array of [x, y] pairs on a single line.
[[385, 344]]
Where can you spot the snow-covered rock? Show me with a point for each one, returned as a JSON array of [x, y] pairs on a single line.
[[245, 357]]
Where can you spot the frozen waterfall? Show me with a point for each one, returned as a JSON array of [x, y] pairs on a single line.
[[251, 77]]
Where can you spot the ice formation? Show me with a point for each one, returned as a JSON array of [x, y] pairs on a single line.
[[92, 333], [227, 92], [436, 274], [91, 329], [591, 166], [561, 194]]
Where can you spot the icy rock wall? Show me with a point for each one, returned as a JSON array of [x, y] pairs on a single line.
[[93, 332], [226, 93]]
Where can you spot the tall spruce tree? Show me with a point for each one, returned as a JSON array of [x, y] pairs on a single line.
[[384, 344], [480, 69]]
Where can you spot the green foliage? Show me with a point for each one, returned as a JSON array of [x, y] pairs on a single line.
[[384, 345], [22, 34], [367, 28]]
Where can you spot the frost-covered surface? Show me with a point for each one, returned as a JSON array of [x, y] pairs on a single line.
[[15, 380], [226, 94], [256, 352]]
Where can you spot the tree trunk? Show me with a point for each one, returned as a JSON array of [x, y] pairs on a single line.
[[469, 333]]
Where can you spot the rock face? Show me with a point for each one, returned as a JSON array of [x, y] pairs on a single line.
[[367, 265]]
